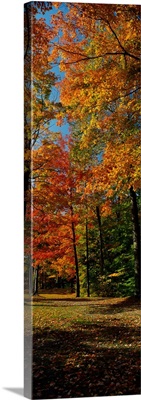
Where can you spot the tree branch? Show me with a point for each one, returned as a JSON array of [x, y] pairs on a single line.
[[87, 58], [125, 95], [125, 52]]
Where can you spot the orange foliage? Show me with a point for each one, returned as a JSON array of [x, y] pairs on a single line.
[[98, 50], [53, 195]]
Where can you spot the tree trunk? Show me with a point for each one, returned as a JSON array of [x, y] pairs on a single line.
[[42, 280], [72, 285], [36, 281], [136, 239], [59, 282], [87, 260], [101, 241], [75, 256], [30, 285], [26, 187]]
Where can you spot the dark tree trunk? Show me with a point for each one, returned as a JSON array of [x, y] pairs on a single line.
[[36, 281], [101, 241], [30, 275], [72, 285], [118, 209], [45, 280], [26, 187], [42, 280], [59, 282], [87, 260], [75, 255], [136, 239]]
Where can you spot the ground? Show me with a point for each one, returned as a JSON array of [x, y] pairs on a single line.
[[85, 347]]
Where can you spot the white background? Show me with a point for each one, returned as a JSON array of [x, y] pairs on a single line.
[[11, 198]]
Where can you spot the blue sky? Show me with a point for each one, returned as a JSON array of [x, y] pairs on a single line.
[[64, 129]]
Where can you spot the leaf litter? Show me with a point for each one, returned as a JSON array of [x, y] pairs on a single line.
[[84, 349]]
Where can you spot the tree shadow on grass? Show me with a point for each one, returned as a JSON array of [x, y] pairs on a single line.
[[62, 299], [93, 361], [127, 304], [56, 304], [95, 306], [92, 308]]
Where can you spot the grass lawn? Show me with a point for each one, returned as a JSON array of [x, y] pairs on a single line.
[[85, 347]]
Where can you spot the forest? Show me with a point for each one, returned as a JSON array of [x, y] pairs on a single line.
[[82, 148]]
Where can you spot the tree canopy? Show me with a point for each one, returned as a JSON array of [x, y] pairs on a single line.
[[85, 184]]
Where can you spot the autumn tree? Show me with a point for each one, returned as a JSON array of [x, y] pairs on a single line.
[[38, 109], [99, 52], [38, 80], [54, 216]]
